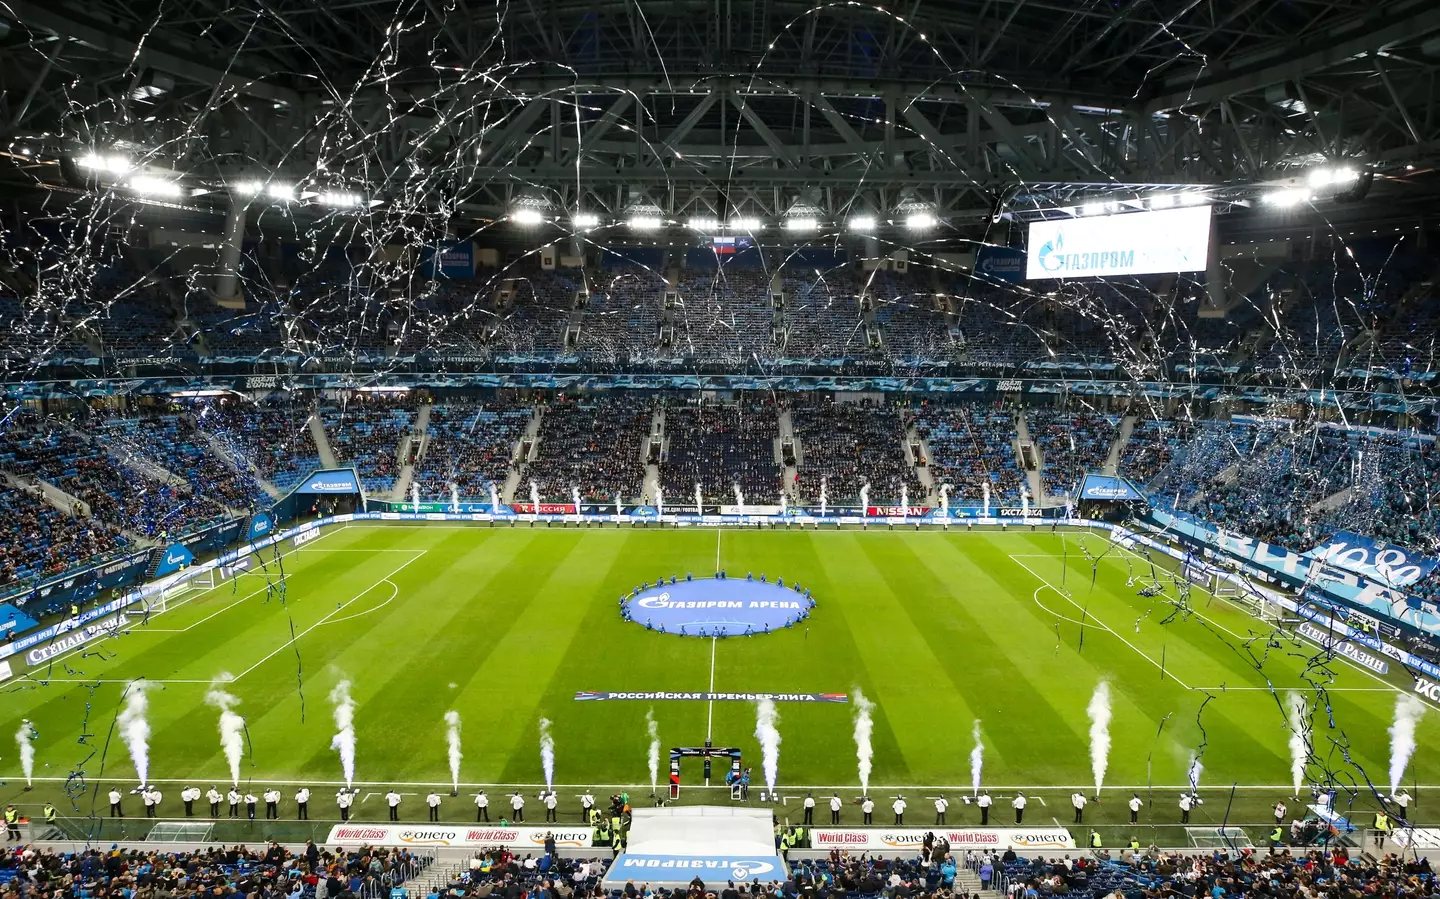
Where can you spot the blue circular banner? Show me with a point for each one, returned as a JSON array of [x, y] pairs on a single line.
[[717, 607]]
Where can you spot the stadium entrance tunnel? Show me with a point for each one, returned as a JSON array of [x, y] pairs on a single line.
[[717, 607]]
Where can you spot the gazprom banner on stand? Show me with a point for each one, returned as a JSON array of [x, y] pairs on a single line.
[[1003, 264], [261, 524], [330, 483], [1385, 563], [455, 259], [1102, 487], [176, 557]]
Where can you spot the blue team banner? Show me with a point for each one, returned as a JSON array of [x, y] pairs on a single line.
[[176, 557], [13, 621], [668, 868], [333, 482], [261, 524], [1003, 264], [1313, 575], [1103, 487], [1385, 563], [454, 259]]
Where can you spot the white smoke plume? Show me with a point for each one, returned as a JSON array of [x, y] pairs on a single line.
[[344, 740], [864, 726], [769, 737], [653, 730], [1408, 710], [547, 752], [24, 739], [1099, 712], [232, 726], [1193, 772], [452, 746], [1298, 713], [135, 729], [977, 758]]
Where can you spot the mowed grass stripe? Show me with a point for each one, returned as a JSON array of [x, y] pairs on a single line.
[[915, 686], [818, 739]]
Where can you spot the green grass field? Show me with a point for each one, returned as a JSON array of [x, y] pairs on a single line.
[[506, 624]]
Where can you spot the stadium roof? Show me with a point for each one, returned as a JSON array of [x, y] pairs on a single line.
[[966, 107]]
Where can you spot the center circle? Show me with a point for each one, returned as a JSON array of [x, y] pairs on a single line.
[[718, 607]]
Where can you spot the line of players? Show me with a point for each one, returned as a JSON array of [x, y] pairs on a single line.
[[151, 797]]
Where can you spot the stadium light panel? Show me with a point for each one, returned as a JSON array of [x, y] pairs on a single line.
[[341, 199], [644, 223], [585, 220], [746, 224], [703, 224], [113, 164], [1284, 199], [862, 223], [801, 223], [527, 216], [1160, 201], [1189, 199], [921, 221], [280, 191], [1092, 209], [149, 186], [249, 188]]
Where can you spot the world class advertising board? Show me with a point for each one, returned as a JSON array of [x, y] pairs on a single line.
[[463, 837], [895, 839]]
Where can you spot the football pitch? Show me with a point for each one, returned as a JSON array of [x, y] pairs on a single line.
[[505, 625]]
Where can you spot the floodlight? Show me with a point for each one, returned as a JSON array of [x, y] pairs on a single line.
[[701, 223], [801, 223], [644, 222], [280, 191], [862, 223], [341, 199], [1286, 198], [920, 221], [527, 216], [746, 224], [585, 220], [155, 187]]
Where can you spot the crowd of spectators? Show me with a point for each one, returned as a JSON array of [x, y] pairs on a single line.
[[221, 872], [592, 443], [366, 433], [273, 435], [95, 473], [1270, 496], [718, 446], [849, 445], [501, 874], [1278, 874], [725, 314], [470, 446], [173, 442], [970, 444], [1151, 448], [38, 539], [1072, 442]]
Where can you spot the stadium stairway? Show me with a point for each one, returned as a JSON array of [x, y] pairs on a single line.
[[787, 432], [1117, 449], [322, 442], [651, 483], [967, 882], [1032, 478], [222, 452], [517, 474], [927, 478], [417, 438], [1333, 501]]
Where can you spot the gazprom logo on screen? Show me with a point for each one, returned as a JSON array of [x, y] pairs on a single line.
[[331, 482], [1054, 259]]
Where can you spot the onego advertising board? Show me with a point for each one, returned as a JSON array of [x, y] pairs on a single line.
[[1132, 243]]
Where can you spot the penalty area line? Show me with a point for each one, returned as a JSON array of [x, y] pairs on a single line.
[[1102, 624]]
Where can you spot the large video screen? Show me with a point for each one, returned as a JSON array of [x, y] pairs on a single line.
[[1131, 243]]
